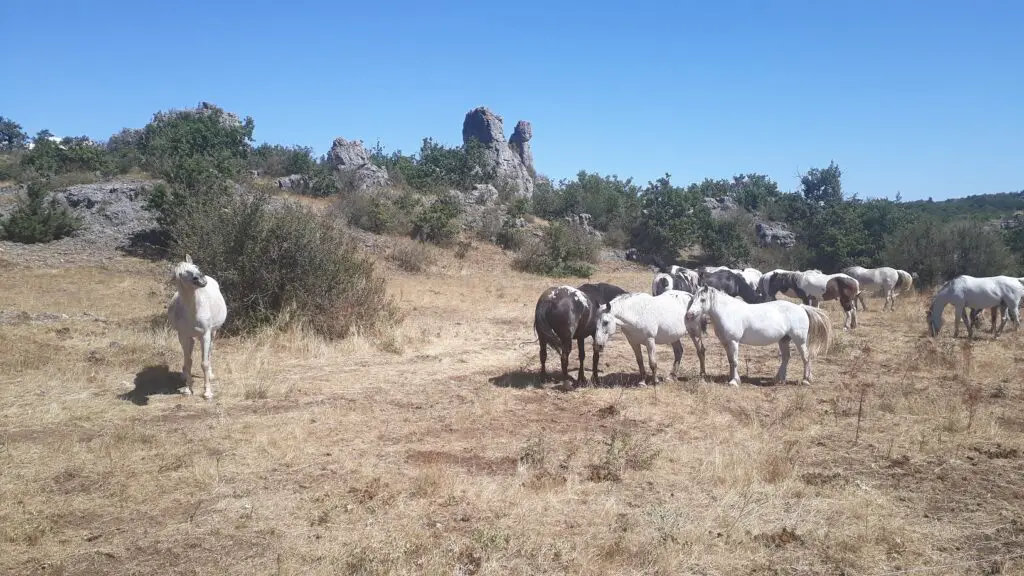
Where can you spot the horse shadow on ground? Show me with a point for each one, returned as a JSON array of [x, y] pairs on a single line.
[[152, 381], [523, 379]]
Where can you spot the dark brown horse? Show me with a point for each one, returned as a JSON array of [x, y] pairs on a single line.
[[564, 314]]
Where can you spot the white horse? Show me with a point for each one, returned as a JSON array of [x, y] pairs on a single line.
[[819, 286], [651, 320], [764, 324], [978, 293], [752, 276], [196, 310], [687, 280], [886, 278], [662, 283]]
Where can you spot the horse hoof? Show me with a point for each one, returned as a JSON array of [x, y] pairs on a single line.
[[805, 382], [208, 395], [734, 383], [186, 391]]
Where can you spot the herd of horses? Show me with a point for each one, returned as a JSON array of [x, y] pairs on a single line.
[[743, 307]]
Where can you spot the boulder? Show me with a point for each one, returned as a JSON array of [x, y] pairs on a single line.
[[519, 143], [720, 206], [296, 182], [775, 234], [352, 163], [583, 221], [504, 159]]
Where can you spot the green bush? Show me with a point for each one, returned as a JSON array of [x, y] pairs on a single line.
[[438, 223], [671, 218], [563, 250], [727, 241], [275, 160], [940, 251], [37, 219], [282, 264]]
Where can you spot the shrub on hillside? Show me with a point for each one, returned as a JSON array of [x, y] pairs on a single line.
[[438, 223], [563, 250], [38, 219], [727, 241], [412, 255], [274, 160], [940, 251], [280, 264]]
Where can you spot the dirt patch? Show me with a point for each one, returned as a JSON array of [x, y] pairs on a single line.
[[997, 452], [467, 461]]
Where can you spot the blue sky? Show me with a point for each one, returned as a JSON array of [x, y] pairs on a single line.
[[922, 98]]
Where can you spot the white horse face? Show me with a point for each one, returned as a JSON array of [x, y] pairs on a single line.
[[187, 273], [606, 327], [698, 305]]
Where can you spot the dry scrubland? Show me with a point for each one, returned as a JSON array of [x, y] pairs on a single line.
[[435, 451]]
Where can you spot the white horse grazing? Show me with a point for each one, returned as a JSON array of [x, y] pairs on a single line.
[[971, 292], [196, 310], [886, 278], [764, 324], [651, 320]]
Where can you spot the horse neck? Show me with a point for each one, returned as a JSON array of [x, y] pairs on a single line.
[[187, 295], [720, 304]]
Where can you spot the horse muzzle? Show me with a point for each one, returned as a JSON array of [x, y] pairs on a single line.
[[200, 282]]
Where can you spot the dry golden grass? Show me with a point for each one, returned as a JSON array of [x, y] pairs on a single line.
[[437, 452]]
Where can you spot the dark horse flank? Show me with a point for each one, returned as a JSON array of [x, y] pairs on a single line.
[[785, 282], [564, 314], [732, 284]]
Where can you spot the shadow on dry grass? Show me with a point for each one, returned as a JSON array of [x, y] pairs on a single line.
[[152, 381]]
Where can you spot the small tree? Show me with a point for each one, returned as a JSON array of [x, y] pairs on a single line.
[[823, 186], [12, 137], [726, 242], [38, 219], [670, 219], [438, 222]]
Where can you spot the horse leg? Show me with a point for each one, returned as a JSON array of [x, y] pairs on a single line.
[[639, 361], [543, 359], [958, 314], [187, 343], [806, 357], [564, 356], [698, 344], [1002, 324], [207, 365], [780, 376], [593, 372], [860, 298], [652, 358], [677, 353], [582, 378], [732, 349], [1014, 313]]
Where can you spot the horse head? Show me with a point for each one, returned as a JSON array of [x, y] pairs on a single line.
[[607, 324], [188, 274], [699, 304]]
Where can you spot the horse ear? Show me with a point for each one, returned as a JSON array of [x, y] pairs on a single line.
[[607, 306], [188, 258]]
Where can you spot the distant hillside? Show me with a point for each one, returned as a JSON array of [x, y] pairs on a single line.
[[985, 206]]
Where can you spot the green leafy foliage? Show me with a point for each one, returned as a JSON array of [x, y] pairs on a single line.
[[727, 242], [823, 185], [612, 203], [437, 168], [12, 137], [563, 250], [670, 219], [438, 223], [275, 160], [282, 264], [37, 218], [939, 251]]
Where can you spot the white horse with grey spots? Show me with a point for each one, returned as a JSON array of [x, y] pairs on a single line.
[[648, 320], [196, 311]]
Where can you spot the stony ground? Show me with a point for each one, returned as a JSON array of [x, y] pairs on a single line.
[[436, 450]]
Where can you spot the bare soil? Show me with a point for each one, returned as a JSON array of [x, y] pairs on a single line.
[[437, 451]]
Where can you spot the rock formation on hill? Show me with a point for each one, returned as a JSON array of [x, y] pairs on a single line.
[[775, 234], [511, 161], [352, 163]]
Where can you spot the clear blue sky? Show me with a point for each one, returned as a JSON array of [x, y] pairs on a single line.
[[926, 98]]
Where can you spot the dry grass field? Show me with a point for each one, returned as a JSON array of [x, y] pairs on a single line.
[[436, 451]]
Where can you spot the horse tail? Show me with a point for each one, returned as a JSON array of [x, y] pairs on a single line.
[[903, 281], [819, 330]]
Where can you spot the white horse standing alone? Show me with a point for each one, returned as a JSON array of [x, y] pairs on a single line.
[[978, 293], [650, 320], [196, 311], [764, 324], [888, 279]]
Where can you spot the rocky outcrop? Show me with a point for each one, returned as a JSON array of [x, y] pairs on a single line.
[[352, 164], [510, 161], [296, 182], [720, 206], [583, 221], [775, 234], [519, 143]]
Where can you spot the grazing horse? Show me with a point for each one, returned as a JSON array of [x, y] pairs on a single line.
[[976, 293], [196, 311], [779, 280], [682, 278], [733, 284], [886, 278], [662, 283], [564, 314], [780, 321], [650, 320], [820, 287], [752, 276]]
